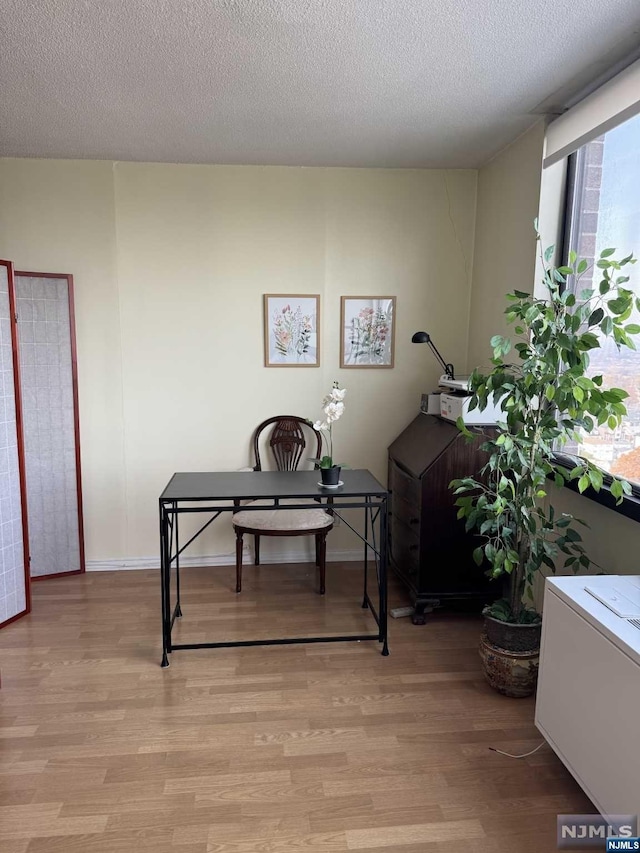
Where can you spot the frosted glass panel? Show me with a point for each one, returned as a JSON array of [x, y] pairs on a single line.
[[13, 598], [48, 417]]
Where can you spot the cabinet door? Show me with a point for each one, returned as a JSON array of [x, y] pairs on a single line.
[[587, 707], [405, 549], [449, 568], [404, 528], [405, 487]]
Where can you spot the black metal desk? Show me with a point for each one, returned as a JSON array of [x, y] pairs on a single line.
[[205, 492]]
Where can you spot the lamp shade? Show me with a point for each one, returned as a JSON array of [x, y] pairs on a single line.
[[425, 338]]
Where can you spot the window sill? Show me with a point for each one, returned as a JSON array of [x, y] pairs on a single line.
[[630, 506]]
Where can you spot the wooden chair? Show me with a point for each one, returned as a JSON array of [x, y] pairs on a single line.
[[287, 442]]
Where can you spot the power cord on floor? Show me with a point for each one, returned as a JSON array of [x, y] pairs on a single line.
[[524, 754]]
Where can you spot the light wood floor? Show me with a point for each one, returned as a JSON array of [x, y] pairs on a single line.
[[322, 748]]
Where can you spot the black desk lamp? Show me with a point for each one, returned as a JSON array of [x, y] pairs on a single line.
[[425, 338]]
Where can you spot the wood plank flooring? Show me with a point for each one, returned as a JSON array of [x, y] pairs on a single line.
[[326, 748]]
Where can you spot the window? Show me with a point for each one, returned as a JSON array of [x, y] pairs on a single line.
[[604, 211]]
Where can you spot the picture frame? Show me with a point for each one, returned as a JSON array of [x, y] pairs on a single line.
[[367, 331], [291, 330]]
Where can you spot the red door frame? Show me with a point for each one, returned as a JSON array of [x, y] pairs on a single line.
[[20, 440]]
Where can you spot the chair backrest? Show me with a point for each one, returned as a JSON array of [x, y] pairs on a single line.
[[287, 441]]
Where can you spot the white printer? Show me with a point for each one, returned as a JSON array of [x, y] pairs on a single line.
[[455, 397]]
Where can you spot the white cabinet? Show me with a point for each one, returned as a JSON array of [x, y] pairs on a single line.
[[588, 698]]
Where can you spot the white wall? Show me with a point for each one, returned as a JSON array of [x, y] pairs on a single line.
[[170, 264], [505, 249], [59, 216]]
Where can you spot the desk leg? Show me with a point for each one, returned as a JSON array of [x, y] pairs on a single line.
[[384, 520], [175, 521], [366, 553], [165, 578]]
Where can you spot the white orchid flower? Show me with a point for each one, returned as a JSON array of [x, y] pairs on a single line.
[[333, 411], [333, 408]]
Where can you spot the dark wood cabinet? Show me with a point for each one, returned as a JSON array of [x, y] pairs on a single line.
[[428, 546]]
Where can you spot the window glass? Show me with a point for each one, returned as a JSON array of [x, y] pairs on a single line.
[[605, 213]]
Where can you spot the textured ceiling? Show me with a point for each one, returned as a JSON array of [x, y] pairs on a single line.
[[422, 83]]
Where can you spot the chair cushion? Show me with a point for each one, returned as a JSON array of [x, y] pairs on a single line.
[[276, 519]]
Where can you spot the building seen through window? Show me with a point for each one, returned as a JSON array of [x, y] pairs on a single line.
[[606, 213]]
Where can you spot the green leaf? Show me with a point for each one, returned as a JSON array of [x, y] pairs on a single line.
[[595, 475], [596, 316], [582, 267], [463, 428], [583, 483], [478, 556], [606, 253], [617, 305]]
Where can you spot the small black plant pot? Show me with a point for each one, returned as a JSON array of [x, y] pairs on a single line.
[[512, 636], [330, 476]]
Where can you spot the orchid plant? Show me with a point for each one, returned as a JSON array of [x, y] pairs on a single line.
[[333, 408]]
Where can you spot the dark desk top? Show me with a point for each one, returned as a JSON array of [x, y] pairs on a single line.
[[248, 485]]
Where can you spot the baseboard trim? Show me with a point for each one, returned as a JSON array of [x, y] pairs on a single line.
[[276, 556]]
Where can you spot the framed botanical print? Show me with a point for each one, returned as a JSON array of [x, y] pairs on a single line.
[[367, 331], [291, 330]]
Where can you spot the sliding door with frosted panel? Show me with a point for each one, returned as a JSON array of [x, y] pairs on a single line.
[[14, 559], [50, 412]]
